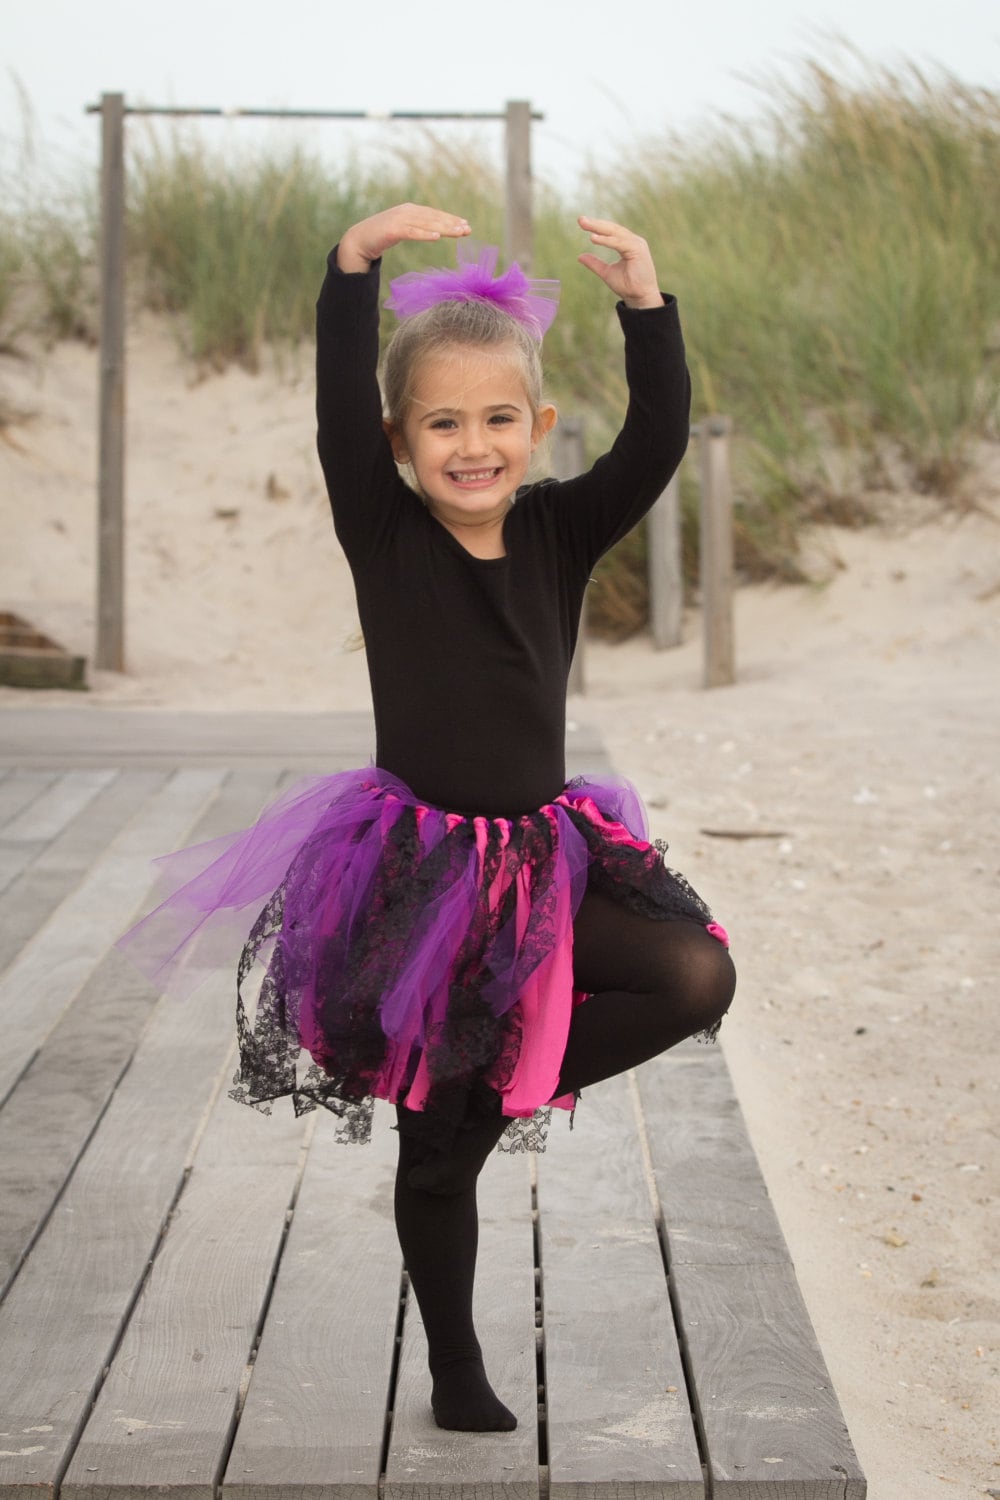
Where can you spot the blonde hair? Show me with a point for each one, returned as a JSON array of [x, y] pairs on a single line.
[[474, 324]]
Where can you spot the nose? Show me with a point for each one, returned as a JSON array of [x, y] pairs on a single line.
[[474, 440]]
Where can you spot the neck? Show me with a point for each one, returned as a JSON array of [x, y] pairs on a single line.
[[483, 536]]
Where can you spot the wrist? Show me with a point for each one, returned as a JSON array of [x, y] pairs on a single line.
[[350, 256], [646, 299]]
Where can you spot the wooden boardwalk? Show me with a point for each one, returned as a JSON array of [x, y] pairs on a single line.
[[199, 1300]]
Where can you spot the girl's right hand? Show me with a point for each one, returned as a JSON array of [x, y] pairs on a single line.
[[371, 238]]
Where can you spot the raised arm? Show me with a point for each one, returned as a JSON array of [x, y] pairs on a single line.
[[368, 240], [600, 506], [360, 473]]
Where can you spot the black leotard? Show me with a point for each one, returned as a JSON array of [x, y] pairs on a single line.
[[469, 658]]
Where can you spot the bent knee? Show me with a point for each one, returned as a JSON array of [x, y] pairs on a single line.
[[707, 977]]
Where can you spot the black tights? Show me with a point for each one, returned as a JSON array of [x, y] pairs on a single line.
[[651, 984]]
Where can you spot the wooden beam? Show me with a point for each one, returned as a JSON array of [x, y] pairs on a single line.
[[717, 551], [110, 646], [518, 228], [663, 564]]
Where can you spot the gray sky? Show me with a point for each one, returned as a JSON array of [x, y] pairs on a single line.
[[602, 74]]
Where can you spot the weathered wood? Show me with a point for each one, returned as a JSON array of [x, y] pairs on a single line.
[[28, 833], [518, 223], [31, 659], [617, 1411], [64, 1314], [769, 1419], [663, 566], [569, 459], [717, 551], [426, 1463], [152, 739], [313, 1423], [49, 814], [20, 787], [55, 872], [165, 1414], [52, 1112], [715, 1205], [772, 1423], [48, 974], [48, 1119], [110, 646]]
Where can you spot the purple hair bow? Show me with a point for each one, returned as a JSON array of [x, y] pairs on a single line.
[[533, 303]]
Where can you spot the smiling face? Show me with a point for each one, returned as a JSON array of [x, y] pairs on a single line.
[[469, 432]]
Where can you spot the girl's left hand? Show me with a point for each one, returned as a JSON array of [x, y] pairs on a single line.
[[633, 276]]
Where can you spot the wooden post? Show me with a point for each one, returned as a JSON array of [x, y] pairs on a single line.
[[110, 646], [663, 567], [518, 232], [568, 460], [717, 551]]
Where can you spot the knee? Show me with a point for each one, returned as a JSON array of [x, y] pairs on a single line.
[[723, 987], [708, 980]]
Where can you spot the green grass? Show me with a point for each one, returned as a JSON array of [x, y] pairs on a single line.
[[838, 267]]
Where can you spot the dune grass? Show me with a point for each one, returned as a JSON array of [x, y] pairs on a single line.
[[837, 263]]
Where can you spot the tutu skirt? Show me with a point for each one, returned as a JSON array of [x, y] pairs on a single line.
[[397, 951]]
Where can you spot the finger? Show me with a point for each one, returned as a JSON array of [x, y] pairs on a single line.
[[613, 236], [435, 220], [596, 264], [602, 226]]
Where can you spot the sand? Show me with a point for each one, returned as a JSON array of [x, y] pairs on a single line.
[[862, 738]]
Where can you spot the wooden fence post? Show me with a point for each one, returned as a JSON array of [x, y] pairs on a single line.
[[518, 228], [717, 551], [568, 460], [663, 567], [110, 644]]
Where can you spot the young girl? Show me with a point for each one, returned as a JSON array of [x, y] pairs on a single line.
[[456, 930]]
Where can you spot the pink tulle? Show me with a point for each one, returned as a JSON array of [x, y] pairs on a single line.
[[532, 302]]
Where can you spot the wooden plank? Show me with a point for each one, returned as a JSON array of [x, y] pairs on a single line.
[[39, 823], [617, 1411], [769, 1419], [64, 1314], [49, 814], [314, 1419], [773, 1426], [715, 1204], [28, 901], [426, 1462], [165, 1413], [19, 789], [58, 1102], [48, 974], [153, 739]]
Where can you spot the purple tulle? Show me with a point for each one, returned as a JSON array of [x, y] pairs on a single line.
[[532, 302], [398, 951]]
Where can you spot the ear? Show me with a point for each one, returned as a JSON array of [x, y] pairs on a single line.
[[544, 422], [397, 442]]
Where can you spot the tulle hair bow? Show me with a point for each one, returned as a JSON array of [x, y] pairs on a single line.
[[532, 302]]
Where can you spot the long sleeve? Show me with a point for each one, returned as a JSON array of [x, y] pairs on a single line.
[[598, 508], [361, 477]]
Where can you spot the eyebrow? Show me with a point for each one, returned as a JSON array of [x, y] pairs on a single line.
[[454, 411]]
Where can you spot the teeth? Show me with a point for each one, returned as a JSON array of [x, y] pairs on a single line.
[[465, 476]]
